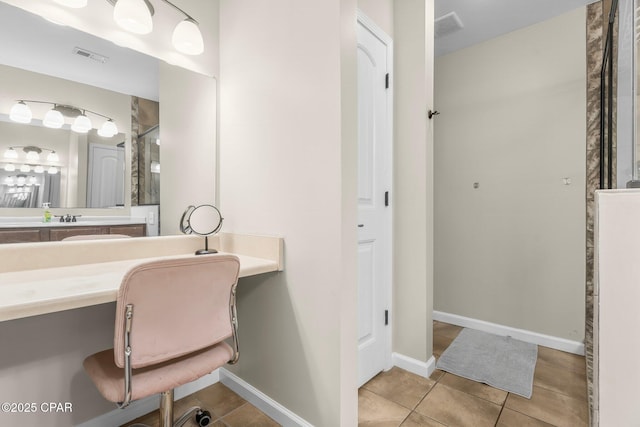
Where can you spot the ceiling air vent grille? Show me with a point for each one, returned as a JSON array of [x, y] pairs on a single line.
[[447, 24], [91, 55]]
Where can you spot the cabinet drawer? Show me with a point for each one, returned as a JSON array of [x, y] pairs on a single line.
[[12, 235], [57, 234], [136, 230]]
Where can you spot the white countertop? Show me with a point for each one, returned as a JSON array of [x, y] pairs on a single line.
[[33, 292], [42, 278]]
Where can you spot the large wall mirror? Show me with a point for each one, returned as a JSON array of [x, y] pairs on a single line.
[[54, 67]]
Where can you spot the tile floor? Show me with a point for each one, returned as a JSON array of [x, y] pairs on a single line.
[[226, 407], [399, 398]]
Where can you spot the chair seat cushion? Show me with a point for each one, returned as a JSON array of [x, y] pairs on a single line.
[[109, 379]]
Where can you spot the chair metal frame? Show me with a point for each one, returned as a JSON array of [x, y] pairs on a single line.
[[166, 398]]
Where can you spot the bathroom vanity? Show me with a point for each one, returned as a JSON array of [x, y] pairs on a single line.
[[31, 230]]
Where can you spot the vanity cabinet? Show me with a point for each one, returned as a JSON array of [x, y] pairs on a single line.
[[51, 234]]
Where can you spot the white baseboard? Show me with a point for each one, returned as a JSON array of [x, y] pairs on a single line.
[[562, 344], [418, 367], [141, 407], [276, 411], [261, 401]]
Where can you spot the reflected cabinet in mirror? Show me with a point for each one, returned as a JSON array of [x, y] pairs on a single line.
[[79, 120]]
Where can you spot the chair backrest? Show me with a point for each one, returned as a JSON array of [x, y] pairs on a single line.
[[180, 305], [95, 237]]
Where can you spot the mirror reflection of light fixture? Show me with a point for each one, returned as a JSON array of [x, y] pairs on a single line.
[[9, 167], [155, 167], [134, 15], [76, 4], [33, 154], [39, 169], [11, 153], [21, 113], [25, 168], [52, 170], [53, 157], [55, 118], [81, 124], [108, 129]]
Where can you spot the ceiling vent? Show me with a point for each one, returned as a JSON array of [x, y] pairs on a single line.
[[91, 55], [447, 24]]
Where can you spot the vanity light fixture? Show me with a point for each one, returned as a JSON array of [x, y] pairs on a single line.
[[136, 16], [39, 169], [10, 167], [25, 168], [55, 118]]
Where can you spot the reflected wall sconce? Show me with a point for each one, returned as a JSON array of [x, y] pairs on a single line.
[[32, 157], [55, 118], [136, 16]]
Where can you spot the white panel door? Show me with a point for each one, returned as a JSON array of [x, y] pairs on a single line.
[[374, 214], [105, 186]]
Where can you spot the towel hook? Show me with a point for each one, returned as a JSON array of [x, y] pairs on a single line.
[[430, 114]]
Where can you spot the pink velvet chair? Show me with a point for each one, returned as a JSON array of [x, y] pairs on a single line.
[[172, 319]]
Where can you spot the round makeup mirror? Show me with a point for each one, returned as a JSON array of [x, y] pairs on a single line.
[[203, 220]]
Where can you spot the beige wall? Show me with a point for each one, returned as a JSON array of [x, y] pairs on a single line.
[[512, 251], [380, 12], [412, 196], [287, 147]]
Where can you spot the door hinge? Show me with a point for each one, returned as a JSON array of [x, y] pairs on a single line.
[[386, 317], [386, 198], [386, 81]]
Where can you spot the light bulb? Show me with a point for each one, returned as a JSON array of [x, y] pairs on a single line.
[[21, 180], [53, 170], [9, 180], [76, 4], [25, 168], [9, 167], [53, 119], [53, 157], [134, 16], [11, 154], [81, 124], [108, 129], [187, 38], [20, 113], [39, 169], [32, 180]]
